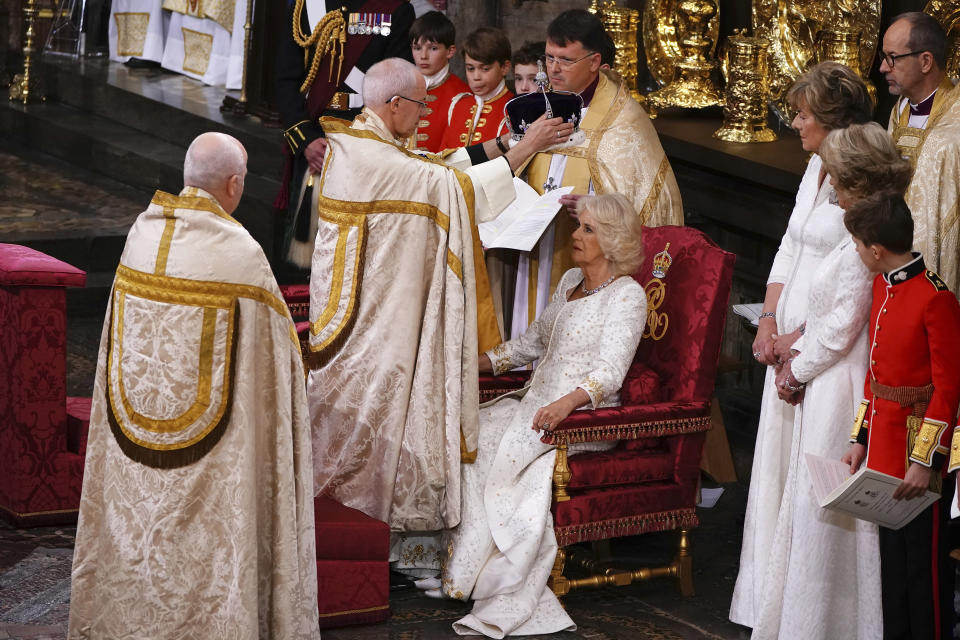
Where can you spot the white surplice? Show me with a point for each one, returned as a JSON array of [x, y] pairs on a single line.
[[502, 552], [802, 567]]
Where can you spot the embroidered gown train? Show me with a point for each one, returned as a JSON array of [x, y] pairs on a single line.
[[501, 554]]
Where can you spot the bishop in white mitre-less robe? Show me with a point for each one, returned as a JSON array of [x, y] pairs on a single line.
[[196, 519]]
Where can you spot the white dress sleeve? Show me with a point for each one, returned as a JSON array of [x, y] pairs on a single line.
[[532, 344], [623, 323], [839, 309]]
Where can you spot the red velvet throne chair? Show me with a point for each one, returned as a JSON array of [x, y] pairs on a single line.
[[42, 432], [649, 482]]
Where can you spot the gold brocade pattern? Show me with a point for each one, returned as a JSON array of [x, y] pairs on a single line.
[[165, 526], [163, 251], [131, 32], [197, 47], [927, 439], [396, 417], [935, 188], [954, 463]]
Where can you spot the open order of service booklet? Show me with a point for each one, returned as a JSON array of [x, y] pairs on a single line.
[[867, 494], [521, 224]]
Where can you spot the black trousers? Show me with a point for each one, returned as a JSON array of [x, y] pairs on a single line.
[[917, 575]]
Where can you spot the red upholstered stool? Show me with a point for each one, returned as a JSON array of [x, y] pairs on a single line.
[[353, 569], [40, 475]]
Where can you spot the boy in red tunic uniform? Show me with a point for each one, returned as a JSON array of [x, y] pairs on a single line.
[[432, 37], [906, 420], [478, 116]]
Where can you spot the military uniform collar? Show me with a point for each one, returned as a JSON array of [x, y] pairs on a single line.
[[901, 274]]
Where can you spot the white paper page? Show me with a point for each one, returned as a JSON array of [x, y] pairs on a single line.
[[827, 474], [524, 199], [709, 497], [524, 232], [750, 311], [873, 500]]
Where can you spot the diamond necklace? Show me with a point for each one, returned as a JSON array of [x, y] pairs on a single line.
[[590, 292]]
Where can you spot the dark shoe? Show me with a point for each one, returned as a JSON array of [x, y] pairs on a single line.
[[399, 582], [139, 63]]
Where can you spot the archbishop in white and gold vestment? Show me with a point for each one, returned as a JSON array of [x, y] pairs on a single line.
[[393, 337], [196, 519], [933, 146], [621, 153]]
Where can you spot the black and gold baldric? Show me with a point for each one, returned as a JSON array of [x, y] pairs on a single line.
[[368, 23]]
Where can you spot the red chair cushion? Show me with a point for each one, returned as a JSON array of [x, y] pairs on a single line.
[[641, 385], [25, 266], [347, 534], [621, 466]]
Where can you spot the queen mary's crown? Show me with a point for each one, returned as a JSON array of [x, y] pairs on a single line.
[[524, 109]]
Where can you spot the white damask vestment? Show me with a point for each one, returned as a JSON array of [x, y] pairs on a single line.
[[803, 567], [202, 39], [504, 549], [933, 146], [196, 519], [393, 339]]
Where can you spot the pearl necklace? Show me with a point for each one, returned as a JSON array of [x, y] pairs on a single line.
[[590, 292]]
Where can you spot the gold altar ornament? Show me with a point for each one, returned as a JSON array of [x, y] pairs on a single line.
[[661, 42], [745, 109], [622, 25], [843, 46], [21, 89], [792, 28], [947, 13], [694, 84]]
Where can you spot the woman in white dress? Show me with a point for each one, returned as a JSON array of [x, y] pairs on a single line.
[[804, 571], [501, 554]]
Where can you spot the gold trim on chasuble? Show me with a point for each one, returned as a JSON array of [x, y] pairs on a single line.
[[909, 140], [174, 441], [131, 32], [347, 214]]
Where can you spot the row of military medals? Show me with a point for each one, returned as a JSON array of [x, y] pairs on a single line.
[[365, 24]]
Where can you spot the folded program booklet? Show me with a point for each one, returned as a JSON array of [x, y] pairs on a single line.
[[867, 494], [524, 221]]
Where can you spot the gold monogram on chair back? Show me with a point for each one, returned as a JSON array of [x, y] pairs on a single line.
[[656, 290]]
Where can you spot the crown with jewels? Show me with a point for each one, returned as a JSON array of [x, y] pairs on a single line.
[[662, 262], [522, 110]]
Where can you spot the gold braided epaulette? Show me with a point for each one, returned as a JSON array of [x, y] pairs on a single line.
[[330, 31]]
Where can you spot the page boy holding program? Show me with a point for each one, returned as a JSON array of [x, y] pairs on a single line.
[[912, 391]]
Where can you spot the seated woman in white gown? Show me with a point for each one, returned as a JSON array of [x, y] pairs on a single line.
[[501, 554]]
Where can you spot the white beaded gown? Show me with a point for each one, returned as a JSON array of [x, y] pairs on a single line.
[[803, 567], [501, 554]]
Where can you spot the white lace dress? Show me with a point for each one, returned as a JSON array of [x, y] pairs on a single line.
[[802, 567], [503, 550]]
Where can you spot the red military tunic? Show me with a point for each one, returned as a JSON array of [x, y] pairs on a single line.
[[465, 127], [433, 122], [915, 342]]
